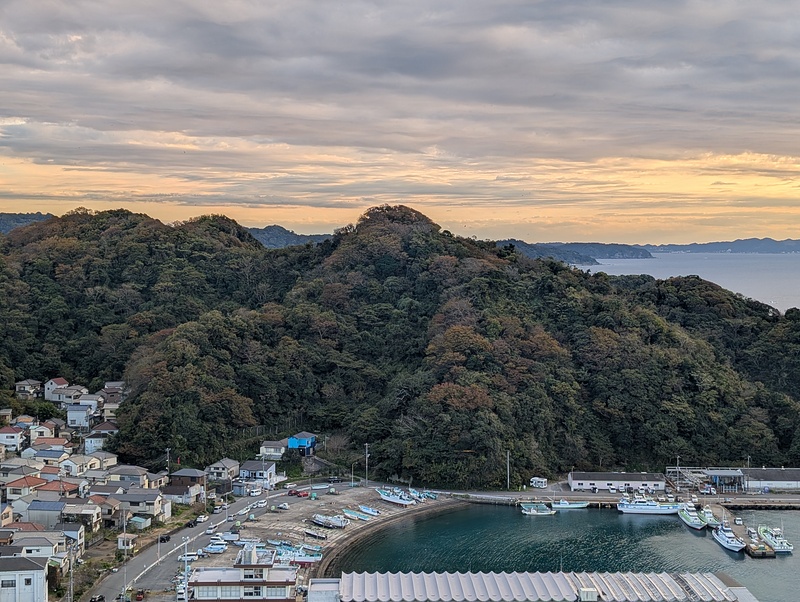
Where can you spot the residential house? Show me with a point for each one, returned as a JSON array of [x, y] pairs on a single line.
[[66, 396], [129, 475], [145, 502], [111, 510], [77, 464], [258, 471], [183, 494], [6, 414], [56, 424], [76, 535], [189, 476], [107, 489], [47, 513], [107, 459], [12, 437], [98, 435], [253, 576], [109, 411], [19, 508], [50, 473], [24, 486], [55, 443], [304, 442], [59, 489], [12, 472], [92, 399], [39, 430], [83, 511], [6, 514], [97, 476], [53, 384], [28, 389], [34, 546], [114, 392], [273, 450], [157, 480], [25, 579], [79, 416], [223, 470], [50, 457], [94, 442]]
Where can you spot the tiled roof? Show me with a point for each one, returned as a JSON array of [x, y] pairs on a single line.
[[27, 482], [46, 506]]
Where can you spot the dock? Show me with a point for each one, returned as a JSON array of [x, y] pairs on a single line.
[[759, 549]]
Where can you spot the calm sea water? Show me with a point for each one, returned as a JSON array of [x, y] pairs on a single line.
[[498, 538], [771, 279]]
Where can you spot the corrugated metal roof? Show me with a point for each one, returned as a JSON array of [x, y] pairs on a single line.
[[533, 587]]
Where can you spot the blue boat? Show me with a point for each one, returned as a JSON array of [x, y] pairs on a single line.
[[369, 510]]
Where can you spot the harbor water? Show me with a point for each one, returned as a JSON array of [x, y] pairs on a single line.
[[500, 538]]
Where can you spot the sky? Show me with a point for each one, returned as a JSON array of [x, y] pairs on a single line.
[[615, 121]]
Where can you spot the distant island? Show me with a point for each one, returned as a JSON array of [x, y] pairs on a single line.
[[745, 245]]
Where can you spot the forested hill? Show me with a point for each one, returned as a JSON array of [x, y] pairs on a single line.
[[442, 353]]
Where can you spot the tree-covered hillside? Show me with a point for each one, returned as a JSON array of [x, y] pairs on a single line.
[[442, 353]]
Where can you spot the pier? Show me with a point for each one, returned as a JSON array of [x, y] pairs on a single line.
[[754, 549]]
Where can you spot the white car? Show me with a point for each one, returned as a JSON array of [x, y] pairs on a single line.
[[202, 518], [190, 557], [211, 529], [261, 504], [243, 511]]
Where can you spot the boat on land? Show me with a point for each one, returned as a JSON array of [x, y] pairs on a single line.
[[330, 522], [640, 505], [565, 505], [369, 510], [243, 541], [707, 516], [430, 495], [774, 538], [537, 510], [688, 514], [315, 534], [319, 486], [417, 495], [355, 514], [727, 538], [396, 496]]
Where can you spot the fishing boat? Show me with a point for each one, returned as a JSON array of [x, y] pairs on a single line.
[[707, 516], [354, 514], [727, 538], [565, 505], [320, 486], [396, 497], [537, 510], [315, 534], [281, 543], [640, 505], [430, 495], [774, 538], [369, 510], [417, 495], [310, 546], [330, 522], [243, 541], [688, 515]]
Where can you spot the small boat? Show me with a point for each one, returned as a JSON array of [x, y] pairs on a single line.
[[641, 505], [707, 516], [320, 486], [310, 546], [537, 510], [243, 541], [280, 543], [688, 515], [774, 538], [565, 505], [416, 495], [727, 538], [369, 510], [430, 495], [396, 497], [330, 522], [354, 514], [315, 534]]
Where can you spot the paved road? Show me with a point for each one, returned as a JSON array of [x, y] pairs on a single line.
[[155, 567]]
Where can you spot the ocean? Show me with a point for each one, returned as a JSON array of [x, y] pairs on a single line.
[[771, 279], [500, 538]]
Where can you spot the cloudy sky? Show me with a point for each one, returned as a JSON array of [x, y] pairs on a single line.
[[627, 121]]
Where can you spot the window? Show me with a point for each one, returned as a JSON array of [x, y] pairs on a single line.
[[252, 592], [28, 581], [253, 573], [229, 591], [8, 583], [276, 592]]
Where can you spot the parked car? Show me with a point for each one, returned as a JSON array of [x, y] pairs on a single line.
[[100, 598], [191, 523], [211, 529], [283, 506], [290, 485], [190, 557], [334, 479], [202, 518], [302, 494], [292, 492], [164, 538]]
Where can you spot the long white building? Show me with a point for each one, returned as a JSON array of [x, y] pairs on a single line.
[[616, 481], [252, 577]]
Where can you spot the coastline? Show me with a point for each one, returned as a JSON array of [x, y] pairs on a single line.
[[328, 566]]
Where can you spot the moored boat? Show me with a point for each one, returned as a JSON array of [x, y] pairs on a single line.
[[688, 515], [774, 538], [396, 497], [565, 505], [369, 510], [537, 510], [707, 516], [727, 538], [646, 506]]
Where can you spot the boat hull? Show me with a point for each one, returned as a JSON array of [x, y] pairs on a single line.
[[775, 540], [728, 540], [648, 508]]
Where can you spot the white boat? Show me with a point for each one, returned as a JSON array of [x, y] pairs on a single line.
[[565, 505], [537, 510], [396, 497], [331, 522], [369, 510], [688, 515], [707, 516], [727, 538], [641, 505], [355, 514], [774, 538]]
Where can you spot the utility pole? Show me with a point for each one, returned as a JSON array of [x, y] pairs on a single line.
[[508, 470], [168, 450], [366, 468]]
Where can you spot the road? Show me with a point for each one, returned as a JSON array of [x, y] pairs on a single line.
[[155, 567]]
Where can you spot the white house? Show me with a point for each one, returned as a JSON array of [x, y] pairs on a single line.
[[78, 415], [252, 577], [259, 471], [223, 470], [12, 437], [28, 389], [53, 384], [273, 450], [78, 464], [24, 579], [68, 395], [40, 430]]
